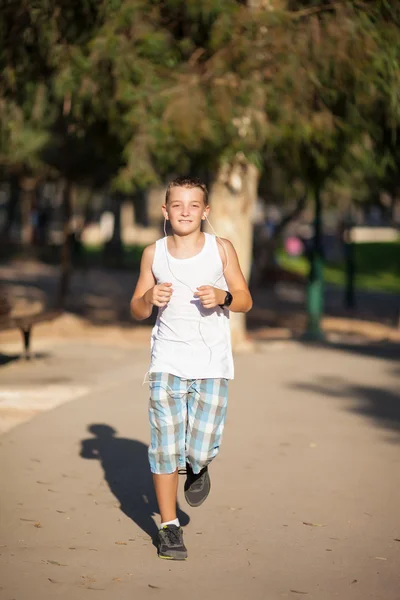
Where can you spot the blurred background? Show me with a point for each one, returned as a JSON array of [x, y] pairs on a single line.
[[289, 110]]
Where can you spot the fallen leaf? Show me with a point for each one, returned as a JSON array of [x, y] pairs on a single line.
[[121, 543], [54, 491], [153, 587], [354, 581], [396, 539], [61, 511], [44, 482], [37, 524], [117, 579], [313, 525], [54, 562], [29, 520], [71, 548], [328, 549], [380, 558], [53, 580], [35, 460], [93, 549], [298, 592]]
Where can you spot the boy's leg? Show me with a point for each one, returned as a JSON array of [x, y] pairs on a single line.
[[207, 405], [166, 487], [167, 414]]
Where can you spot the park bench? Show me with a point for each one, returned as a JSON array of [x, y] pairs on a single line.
[[23, 314]]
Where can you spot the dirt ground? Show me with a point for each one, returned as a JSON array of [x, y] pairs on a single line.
[[305, 492]]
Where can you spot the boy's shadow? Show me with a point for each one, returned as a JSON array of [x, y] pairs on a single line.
[[127, 472]]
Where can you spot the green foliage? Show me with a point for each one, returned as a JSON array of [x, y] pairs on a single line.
[[377, 267], [126, 91]]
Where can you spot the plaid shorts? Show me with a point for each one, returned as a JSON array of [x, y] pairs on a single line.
[[187, 418]]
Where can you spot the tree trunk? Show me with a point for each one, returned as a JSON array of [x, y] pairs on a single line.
[[233, 196], [113, 249], [12, 209], [315, 294], [66, 264], [28, 202], [267, 247]]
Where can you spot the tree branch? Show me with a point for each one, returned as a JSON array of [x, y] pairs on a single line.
[[298, 209], [306, 12]]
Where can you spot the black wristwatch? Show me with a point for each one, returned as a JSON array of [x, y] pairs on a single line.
[[227, 301]]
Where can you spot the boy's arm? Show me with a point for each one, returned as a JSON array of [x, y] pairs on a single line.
[[211, 296], [237, 284], [141, 307]]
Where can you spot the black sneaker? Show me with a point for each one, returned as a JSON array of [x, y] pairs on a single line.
[[170, 543], [197, 487]]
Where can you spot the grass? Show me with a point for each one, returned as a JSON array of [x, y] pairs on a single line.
[[95, 256], [377, 264], [83, 256], [377, 267], [130, 259]]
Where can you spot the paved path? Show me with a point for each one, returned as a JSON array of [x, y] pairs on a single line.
[[305, 494]]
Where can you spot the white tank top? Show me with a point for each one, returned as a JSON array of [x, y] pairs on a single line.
[[188, 340]]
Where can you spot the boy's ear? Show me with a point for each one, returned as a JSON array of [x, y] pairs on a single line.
[[165, 212], [205, 213]]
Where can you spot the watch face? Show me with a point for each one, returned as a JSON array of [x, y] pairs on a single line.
[[228, 299]]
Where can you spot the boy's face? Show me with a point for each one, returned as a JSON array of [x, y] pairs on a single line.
[[185, 209]]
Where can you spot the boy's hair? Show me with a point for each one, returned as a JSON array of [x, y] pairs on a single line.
[[187, 182]]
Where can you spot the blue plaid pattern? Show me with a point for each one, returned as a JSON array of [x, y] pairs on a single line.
[[187, 418]]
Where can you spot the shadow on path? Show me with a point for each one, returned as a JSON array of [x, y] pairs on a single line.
[[380, 404], [389, 351], [127, 472], [8, 358]]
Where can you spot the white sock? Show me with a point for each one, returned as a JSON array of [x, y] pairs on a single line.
[[174, 522]]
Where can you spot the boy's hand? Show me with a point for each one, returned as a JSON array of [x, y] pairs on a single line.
[[210, 296], [160, 294]]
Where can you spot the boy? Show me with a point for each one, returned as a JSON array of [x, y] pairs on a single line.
[[194, 279]]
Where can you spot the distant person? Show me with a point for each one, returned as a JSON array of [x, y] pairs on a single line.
[[293, 246], [194, 279]]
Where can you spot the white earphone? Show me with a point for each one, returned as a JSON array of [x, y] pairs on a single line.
[[201, 316]]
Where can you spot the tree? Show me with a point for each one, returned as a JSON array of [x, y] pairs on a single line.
[[125, 93], [46, 129], [326, 93]]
